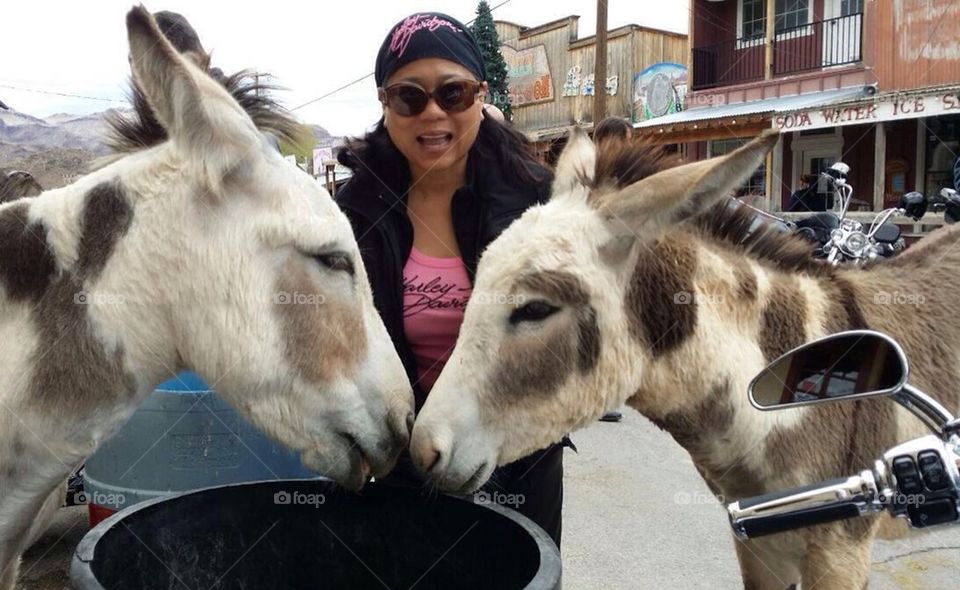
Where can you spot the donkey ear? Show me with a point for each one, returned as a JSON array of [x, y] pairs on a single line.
[[576, 164], [199, 115], [679, 193]]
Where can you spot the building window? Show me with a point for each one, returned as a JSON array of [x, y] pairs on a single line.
[[790, 14], [756, 185], [943, 145], [850, 7], [753, 18]]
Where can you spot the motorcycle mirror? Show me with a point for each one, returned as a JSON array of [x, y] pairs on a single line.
[[843, 366], [915, 204]]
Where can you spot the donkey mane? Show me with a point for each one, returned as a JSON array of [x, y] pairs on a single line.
[[128, 134], [737, 225], [622, 163]]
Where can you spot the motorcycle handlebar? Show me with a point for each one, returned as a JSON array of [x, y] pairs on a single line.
[[828, 501]]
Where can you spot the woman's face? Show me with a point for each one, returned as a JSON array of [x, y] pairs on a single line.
[[434, 141]]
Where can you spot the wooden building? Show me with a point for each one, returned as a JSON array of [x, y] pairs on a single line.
[[873, 83], [550, 72]]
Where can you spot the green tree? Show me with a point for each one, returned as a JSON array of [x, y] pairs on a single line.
[[489, 41], [301, 147]]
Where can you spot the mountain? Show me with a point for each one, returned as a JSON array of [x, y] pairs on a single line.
[[57, 149], [36, 134]]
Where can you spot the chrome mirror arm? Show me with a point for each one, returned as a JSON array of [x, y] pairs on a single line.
[[927, 409]]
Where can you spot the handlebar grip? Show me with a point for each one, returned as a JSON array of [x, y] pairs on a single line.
[[760, 526], [764, 498], [785, 510]]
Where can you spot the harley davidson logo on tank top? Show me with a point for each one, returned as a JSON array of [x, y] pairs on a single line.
[[435, 294]]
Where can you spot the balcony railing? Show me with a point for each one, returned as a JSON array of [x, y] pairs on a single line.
[[730, 62], [832, 42]]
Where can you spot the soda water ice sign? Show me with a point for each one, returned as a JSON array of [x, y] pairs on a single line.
[[886, 107], [659, 90]]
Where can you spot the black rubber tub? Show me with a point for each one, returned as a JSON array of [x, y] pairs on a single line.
[[296, 534]]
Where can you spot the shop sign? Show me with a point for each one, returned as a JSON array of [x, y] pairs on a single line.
[[892, 107]]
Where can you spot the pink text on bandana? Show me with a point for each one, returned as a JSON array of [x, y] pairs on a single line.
[[403, 34]]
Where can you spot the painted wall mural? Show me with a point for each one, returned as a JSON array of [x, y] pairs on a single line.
[[659, 90]]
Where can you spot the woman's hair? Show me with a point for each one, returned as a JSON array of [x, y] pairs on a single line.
[[374, 158]]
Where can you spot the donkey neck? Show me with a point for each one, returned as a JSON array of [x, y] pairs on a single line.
[[86, 295]]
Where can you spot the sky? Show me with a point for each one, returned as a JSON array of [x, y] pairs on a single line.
[[311, 48]]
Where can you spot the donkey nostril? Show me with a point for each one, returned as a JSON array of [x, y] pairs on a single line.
[[430, 459], [410, 419]]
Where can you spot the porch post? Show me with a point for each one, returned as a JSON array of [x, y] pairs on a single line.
[[768, 54], [920, 165], [775, 195], [879, 163]]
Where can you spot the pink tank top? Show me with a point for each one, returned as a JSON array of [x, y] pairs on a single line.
[[435, 293]]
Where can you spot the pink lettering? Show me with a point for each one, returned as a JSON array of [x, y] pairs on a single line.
[[418, 22]]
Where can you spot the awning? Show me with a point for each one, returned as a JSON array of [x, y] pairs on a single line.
[[754, 108], [552, 133]]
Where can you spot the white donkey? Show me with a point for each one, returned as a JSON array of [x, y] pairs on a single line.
[[205, 252], [634, 288]]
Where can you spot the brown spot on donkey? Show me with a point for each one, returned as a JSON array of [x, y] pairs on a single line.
[[690, 303]]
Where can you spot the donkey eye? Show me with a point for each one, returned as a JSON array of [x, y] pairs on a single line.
[[337, 261], [535, 311]]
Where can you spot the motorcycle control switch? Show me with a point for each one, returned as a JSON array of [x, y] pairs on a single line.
[[908, 477]]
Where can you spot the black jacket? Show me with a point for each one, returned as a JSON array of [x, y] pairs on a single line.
[[481, 210]]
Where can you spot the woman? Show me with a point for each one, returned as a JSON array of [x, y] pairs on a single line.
[[434, 183]]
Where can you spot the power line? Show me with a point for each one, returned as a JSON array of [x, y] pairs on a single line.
[[362, 78], [309, 102], [38, 91]]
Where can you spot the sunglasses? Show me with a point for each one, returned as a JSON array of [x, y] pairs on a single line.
[[409, 100]]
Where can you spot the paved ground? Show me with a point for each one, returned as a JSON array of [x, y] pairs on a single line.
[[636, 515]]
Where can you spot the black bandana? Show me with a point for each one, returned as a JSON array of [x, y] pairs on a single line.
[[425, 35]]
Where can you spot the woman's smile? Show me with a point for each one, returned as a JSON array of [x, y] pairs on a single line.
[[435, 142]]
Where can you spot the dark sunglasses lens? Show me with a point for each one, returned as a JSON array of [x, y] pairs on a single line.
[[408, 101], [454, 97]]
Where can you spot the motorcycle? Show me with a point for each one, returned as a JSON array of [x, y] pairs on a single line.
[[950, 204], [841, 240], [918, 480]]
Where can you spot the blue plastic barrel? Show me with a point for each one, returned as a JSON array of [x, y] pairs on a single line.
[[184, 437]]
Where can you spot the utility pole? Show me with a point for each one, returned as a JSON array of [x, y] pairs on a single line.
[[600, 68]]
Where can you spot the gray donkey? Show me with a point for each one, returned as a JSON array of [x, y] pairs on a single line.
[[632, 285], [205, 251]]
